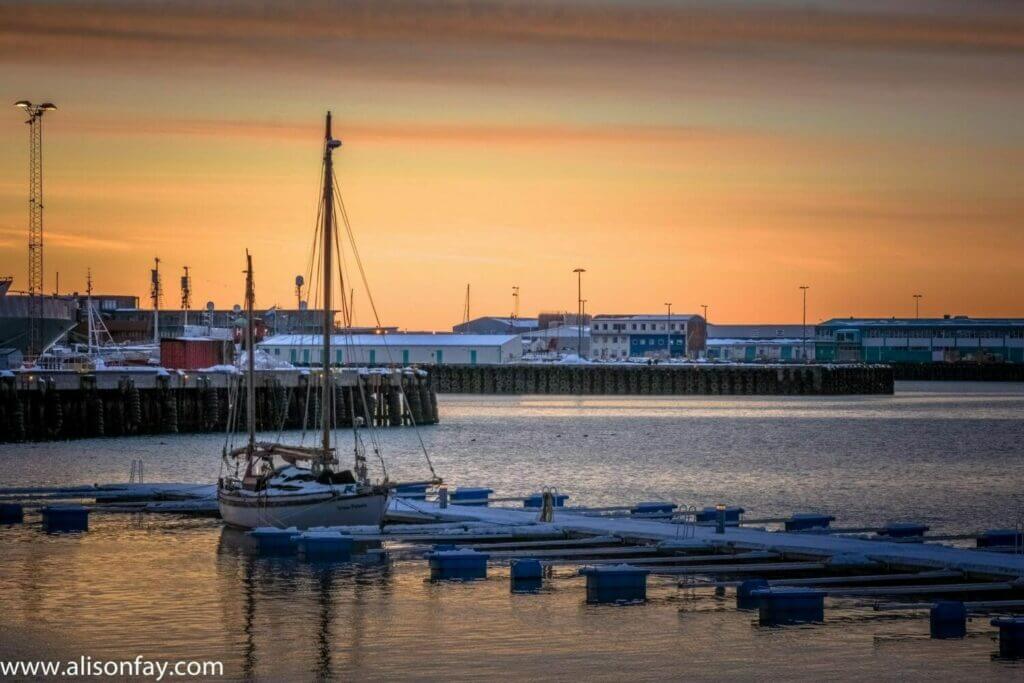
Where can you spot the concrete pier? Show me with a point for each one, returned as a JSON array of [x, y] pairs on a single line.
[[664, 379], [48, 406]]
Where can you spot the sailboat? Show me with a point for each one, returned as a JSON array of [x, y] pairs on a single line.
[[283, 485]]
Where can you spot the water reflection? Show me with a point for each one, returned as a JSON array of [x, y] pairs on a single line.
[[291, 608], [183, 588]]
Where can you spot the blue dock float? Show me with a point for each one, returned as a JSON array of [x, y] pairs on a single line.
[[460, 564], [65, 518], [903, 530], [535, 500], [619, 583], [412, 491], [745, 598], [273, 541], [527, 575], [710, 514], [1000, 538], [471, 496], [790, 605], [1011, 636], [805, 521], [948, 619], [653, 510], [11, 513], [325, 545]]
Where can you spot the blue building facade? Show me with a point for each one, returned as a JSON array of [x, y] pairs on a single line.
[[618, 337]]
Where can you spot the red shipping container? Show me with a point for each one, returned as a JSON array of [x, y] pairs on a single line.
[[195, 353]]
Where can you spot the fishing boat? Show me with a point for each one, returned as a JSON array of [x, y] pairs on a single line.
[[280, 485]]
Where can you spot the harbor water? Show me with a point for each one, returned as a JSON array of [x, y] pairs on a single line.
[[164, 587]]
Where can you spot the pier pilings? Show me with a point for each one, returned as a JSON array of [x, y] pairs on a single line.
[[665, 379], [51, 406]]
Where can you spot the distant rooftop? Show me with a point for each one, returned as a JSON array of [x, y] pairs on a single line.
[[946, 321], [509, 320], [558, 331], [646, 316], [515, 322], [396, 339]]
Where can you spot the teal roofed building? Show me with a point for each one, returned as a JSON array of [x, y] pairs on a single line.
[[920, 340]]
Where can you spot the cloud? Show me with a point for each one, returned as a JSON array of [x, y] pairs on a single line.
[[320, 29], [70, 240], [418, 131]]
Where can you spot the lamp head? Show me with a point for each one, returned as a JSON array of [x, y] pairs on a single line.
[[24, 104], [47, 106]]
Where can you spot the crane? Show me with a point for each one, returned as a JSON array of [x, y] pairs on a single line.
[[35, 221]]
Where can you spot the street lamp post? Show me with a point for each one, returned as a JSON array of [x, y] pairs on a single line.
[[579, 310], [668, 328], [803, 344], [705, 307], [917, 306]]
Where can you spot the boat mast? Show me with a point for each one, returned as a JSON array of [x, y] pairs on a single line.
[[89, 312], [330, 144], [250, 374]]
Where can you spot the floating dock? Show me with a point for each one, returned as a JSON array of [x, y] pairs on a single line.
[[781, 577], [674, 545], [819, 549]]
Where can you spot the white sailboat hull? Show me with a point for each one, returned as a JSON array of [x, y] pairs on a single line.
[[302, 510]]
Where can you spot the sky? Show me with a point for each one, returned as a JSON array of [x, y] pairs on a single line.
[[699, 152]]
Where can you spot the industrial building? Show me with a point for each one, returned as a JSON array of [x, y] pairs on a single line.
[[399, 348], [558, 339], [760, 343], [920, 340], [647, 336], [496, 325]]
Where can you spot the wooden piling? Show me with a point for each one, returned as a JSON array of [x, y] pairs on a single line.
[[67, 405]]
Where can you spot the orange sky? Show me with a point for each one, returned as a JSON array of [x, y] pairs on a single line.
[[717, 153]]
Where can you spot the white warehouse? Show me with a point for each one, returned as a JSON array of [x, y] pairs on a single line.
[[397, 348]]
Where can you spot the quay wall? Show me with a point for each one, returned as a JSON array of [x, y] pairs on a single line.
[[664, 379], [959, 372], [51, 406]]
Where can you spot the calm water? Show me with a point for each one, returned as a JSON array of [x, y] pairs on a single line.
[[171, 588]]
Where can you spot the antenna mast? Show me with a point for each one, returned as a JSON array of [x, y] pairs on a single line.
[[186, 295], [154, 294], [35, 222]]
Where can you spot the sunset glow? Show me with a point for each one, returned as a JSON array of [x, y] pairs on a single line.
[[700, 152]]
